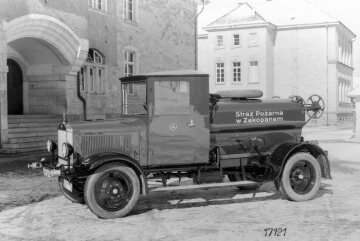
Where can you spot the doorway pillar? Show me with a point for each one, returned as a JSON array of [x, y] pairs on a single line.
[[3, 86]]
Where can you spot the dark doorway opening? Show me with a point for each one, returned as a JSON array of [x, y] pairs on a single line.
[[14, 88]]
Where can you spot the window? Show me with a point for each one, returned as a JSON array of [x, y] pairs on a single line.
[[97, 4], [129, 67], [219, 41], [134, 103], [220, 73], [129, 7], [92, 75], [253, 40], [91, 80], [172, 97], [82, 77], [253, 72], [236, 40], [129, 63], [236, 72]]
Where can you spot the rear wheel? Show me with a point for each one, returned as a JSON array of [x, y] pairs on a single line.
[[76, 196], [112, 191], [238, 177], [301, 177]]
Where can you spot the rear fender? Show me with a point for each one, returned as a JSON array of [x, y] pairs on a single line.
[[286, 150], [97, 160]]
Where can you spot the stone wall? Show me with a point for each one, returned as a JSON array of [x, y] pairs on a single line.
[[3, 85], [163, 36]]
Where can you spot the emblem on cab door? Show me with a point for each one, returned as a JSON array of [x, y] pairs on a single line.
[[173, 127]]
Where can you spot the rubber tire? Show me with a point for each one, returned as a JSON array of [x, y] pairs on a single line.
[[285, 186], [235, 178], [90, 197], [69, 195]]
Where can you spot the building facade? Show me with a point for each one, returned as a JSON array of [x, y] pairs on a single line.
[[57, 55], [282, 54]]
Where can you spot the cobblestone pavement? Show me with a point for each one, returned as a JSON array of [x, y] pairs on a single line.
[[214, 214]]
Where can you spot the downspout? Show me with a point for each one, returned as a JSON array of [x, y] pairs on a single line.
[[81, 98], [327, 74], [196, 33]]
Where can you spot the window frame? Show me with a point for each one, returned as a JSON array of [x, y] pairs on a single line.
[[156, 112], [94, 4], [123, 102], [234, 40], [219, 39], [220, 72], [236, 73], [132, 11], [95, 63]]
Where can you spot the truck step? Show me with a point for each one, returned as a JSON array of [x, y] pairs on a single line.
[[206, 185]]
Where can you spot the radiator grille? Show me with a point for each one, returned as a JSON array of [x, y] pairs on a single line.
[[91, 144]]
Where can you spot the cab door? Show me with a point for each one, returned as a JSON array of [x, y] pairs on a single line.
[[171, 127]]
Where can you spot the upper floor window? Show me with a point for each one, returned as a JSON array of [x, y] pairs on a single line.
[[253, 40], [129, 10], [97, 4], [236, 40], [237, 72], [254, 72], [94, 56], [129, 63], [130, 67], [220, 73], [219, 41], [92, 74]]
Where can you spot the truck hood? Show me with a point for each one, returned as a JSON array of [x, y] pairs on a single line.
[[124, 135]]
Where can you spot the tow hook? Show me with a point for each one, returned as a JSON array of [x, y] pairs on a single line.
[[37, 165]]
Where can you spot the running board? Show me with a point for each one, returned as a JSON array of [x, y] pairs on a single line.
[[206, 185]]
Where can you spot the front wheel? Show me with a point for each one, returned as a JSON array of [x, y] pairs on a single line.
[[112, 191], [301, 177]]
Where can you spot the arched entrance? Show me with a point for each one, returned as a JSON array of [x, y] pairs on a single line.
[[14, 88]]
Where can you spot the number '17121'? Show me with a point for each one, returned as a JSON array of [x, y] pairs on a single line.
[[274, 232]]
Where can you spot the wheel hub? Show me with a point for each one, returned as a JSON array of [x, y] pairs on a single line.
[[302, 177], [113, 191]]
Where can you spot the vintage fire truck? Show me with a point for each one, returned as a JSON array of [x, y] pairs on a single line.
[[171, 127]]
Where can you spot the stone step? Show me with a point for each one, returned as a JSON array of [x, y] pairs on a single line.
[[41, 120], [38, 116], [35, 144], [32, 134], [33, 124], [33, 129], [23, 150], [42, 139]]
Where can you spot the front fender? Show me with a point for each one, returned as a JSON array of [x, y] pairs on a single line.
[[286, 150], [97, 160]]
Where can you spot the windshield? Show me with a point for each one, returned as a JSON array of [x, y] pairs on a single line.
[[134, 99]]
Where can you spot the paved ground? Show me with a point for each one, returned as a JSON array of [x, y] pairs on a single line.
[[215, 214]]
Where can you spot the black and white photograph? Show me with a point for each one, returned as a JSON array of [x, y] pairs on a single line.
[[179, 120]]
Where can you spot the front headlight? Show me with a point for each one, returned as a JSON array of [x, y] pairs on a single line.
[[67, 150], [51, 146]]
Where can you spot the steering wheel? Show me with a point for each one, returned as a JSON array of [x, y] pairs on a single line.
[[315, 106], [297, 99]]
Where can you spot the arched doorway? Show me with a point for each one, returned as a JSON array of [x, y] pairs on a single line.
[[14, 88]]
